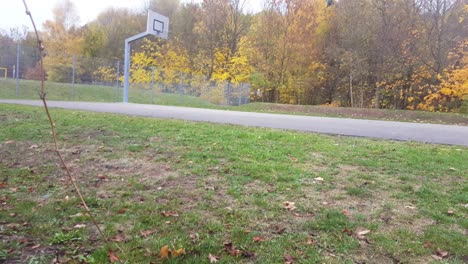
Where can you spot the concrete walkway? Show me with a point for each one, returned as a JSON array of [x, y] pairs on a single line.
[[429, 133]]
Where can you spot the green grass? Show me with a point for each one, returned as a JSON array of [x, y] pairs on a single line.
[[95, 93], [226, 184]]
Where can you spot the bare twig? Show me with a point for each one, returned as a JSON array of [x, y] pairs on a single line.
[[52, 125]]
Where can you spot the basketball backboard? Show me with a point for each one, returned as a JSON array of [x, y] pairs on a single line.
[[157, 25]]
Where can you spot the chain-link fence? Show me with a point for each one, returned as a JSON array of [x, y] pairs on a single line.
[[80, 78]]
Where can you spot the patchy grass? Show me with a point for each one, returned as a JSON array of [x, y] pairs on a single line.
[[201, 187], [96, 93]]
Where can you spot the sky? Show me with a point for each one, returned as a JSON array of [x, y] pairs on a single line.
[[12, 13]]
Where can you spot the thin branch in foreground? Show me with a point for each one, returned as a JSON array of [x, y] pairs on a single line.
[[40, 47]]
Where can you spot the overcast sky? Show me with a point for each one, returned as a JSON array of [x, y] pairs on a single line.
[[12, 11]]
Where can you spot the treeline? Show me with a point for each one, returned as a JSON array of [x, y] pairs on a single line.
[[394, 54]]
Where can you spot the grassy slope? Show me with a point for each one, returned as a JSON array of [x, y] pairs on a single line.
[[227, 184], [58, 91]]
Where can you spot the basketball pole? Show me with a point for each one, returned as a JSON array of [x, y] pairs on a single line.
[[153, 19]]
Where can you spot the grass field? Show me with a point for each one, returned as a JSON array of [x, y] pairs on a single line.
[[244, 195], [59, 91]]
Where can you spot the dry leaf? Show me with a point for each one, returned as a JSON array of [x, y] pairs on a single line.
[[178, 252], [170, 213], [9, 142], [319, 179], [279, 230], [348, 232], [213, 258], [361, 233], [450, 212], [288, 259], [441, 253], [112, 257], [3, 184], [79, 226], [436, 257], [259, 239], [410, 207], [117, 238], [33, 147], [289, 206], [165, 252], [230, 249], [346, 212], [147, 233], [122, 211]]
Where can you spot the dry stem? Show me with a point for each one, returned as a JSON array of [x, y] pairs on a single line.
[[52, 126]]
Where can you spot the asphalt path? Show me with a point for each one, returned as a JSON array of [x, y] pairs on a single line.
[[402, 131]]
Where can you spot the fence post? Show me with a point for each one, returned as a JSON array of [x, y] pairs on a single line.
[[73, 76], [240, 93], [152, 85], [180, 88], [17, 68], [118, 85]]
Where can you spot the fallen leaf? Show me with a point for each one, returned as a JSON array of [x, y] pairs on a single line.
[[112, 256], [165, 252], [170, 213], [410, 207], [310, 241], [3, 184], [259, 239], [279, 230], [9, 142], [247, 254], [31, 189], [76, 215], [213, 258], [79, 226], [230, 249], [452, 169], [288, 259], [117, 238], [436, 257], [319, 179], [194, 237], [441, 253], [348, 232], [122, 211], [178, 252], [147, 233], [361, 233], [427, 244], [290, 206], [33, 147], [346, 212], [247, 231], [450, 212]]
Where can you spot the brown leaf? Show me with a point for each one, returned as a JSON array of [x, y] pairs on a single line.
[[31, 189], [3, 184], [165, 252], [33, 146], [117, 238], [361, 233], [288, 259], [213, 258], [147, 233], [427, 244], [247, 254], [230, 249], [178, 252], [247, 231], [259, 239], [122, 211], [450, 212], [436, 257], [441, 253], [348, 232], [169, 213], [279, 230], [346, 213], [9, 142], [194, 237], [310, 241], [290, 206], [112, 256]]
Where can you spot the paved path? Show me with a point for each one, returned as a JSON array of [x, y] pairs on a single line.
[[429, 133]]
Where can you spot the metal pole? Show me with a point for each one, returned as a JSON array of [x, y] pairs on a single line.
[[126, 71], [180, 88], [118, 84], [152, 86], [17, 68], [73, 76], [240, 93]]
